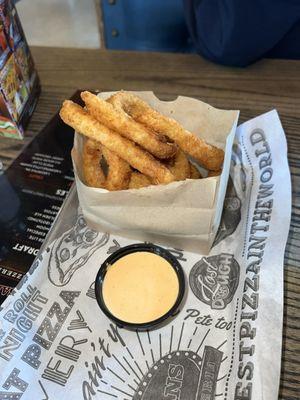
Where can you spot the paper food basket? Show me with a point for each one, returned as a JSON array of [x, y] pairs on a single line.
[[183, 214]]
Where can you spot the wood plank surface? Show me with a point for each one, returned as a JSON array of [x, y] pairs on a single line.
[[254, 90]]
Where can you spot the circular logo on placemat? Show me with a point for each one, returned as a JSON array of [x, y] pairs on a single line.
[[182, 375], [215, 279], [231, 215]]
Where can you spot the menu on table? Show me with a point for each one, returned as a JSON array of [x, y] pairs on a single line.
[[32, 191]]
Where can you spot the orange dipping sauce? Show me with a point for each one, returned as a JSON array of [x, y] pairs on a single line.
[[140, 287]]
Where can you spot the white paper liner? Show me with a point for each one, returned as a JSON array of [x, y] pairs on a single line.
[[225, 342]]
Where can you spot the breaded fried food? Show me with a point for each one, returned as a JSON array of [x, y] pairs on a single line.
[[139, 180], [80, 120], [180, 166], [207, 155], [119, 171], [92, 171], [117, 119], [214, 173], [195, 173]]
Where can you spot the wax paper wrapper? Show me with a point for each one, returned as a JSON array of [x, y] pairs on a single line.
[[225, 342], [185, 214]]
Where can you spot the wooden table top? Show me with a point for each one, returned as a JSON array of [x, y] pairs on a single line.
[[259, 88]]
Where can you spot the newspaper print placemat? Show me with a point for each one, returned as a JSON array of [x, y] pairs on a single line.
[[225, 343]]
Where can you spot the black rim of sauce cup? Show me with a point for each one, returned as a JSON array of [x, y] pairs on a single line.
[[134, 248]]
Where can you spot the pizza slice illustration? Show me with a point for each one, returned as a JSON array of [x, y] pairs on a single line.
[[72, 251]]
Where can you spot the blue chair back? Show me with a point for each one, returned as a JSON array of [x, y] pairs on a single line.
[[145, 25]]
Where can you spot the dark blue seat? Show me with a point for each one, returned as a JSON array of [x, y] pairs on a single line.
[[149, 25], [229, 32], [236, 32]]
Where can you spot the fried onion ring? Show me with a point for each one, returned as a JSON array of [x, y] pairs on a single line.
[[214, 173], [119, 171], [138, 181], [207, 155], [195, 173], [180, 166], [92, 171], [79, 119], [118, 120]]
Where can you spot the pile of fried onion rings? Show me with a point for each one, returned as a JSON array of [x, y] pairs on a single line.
[[129, 145]]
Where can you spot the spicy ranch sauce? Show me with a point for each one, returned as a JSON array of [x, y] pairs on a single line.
[[140, 287]]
